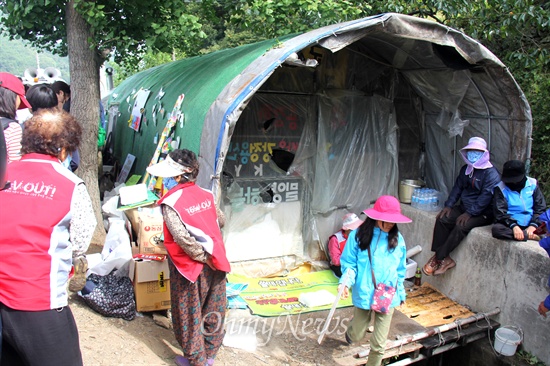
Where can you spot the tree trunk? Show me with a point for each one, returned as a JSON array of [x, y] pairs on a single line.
[[84, 64]]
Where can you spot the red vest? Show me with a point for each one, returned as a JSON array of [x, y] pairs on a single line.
[[35, 251], [341, 240], [196, 209]]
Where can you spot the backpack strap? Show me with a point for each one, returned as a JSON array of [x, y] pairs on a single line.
[[6, 122]]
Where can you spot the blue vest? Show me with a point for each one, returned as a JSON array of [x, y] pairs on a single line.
[[520, 205]]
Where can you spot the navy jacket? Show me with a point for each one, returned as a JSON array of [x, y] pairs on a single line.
[[474, 192]]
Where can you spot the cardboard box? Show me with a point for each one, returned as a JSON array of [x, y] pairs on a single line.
[[151, 281], [147, 222]]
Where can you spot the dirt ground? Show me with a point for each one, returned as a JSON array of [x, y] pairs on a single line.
[[288, 340]]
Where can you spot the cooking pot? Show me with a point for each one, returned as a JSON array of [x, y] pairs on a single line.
[[406, 189]]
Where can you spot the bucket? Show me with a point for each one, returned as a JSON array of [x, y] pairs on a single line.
[[406, 189], [507, 339]]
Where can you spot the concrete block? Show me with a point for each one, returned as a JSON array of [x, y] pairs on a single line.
[[490, 273]]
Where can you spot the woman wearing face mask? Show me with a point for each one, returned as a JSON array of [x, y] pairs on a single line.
[[517, 204], [469, 205], [198, 263]]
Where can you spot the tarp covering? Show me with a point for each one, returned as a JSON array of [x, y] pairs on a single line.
[[294, 133]]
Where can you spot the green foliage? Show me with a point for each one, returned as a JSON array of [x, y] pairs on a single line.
[[537, 90], [529, 358], [273, 18], [125, 28]]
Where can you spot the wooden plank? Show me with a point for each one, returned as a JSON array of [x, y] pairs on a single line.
[[429, 307]]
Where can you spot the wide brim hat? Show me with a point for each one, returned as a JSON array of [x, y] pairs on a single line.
[[476, 143], [168, 168], [12, 82], [387, 208], [351, 222], [513, 171]]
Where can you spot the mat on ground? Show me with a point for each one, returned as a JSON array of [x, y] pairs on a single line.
[[275, 296]]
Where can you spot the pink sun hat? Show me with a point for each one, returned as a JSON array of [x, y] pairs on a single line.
[[387, 208], [476, 143]]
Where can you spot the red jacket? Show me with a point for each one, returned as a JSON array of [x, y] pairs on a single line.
[[35, 251], [196, 209]]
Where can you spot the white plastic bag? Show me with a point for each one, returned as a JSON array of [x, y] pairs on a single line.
[[116, 252]]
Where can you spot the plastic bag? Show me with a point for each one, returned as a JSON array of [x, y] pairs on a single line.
[[116, 252]]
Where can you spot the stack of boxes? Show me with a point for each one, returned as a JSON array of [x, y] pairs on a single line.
[[149, 268]]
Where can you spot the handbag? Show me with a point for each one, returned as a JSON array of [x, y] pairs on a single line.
[[383, 294]]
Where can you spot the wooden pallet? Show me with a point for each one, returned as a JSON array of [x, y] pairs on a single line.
[[429, 307]]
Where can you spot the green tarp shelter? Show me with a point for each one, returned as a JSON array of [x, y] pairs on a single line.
[[295, 132]]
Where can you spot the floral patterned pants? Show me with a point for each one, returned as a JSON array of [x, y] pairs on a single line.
[[198, 313]]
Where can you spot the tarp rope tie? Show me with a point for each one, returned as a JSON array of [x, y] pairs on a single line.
[[489, 327], [440, 336], [458, 329]]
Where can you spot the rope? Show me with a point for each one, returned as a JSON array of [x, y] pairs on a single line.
[[440, 336], [489, 328], [458, 329]]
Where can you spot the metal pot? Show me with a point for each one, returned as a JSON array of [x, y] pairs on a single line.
[[406, 189]]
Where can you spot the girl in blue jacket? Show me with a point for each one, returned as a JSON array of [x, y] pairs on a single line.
[[379, 233]]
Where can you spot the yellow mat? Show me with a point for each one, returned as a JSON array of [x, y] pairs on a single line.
[[276, 296]]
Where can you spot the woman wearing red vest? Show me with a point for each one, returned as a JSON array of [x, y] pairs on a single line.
[[46, 218], [198, 263]]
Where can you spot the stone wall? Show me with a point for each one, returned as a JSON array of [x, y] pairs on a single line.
[[489, 274]]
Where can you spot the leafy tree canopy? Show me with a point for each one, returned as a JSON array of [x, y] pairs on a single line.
[[125, 28], [515, 30]]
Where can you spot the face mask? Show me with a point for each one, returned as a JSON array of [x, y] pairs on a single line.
[[474, 155], [169, 183], [67, 162]]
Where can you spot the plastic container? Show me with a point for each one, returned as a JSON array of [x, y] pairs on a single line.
[[507, 339], [426, 199], [410, 268], [414, 251], [406, 188]]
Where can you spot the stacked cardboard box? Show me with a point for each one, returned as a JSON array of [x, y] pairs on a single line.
[[147, 222], [151, 284], [151, 278]]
